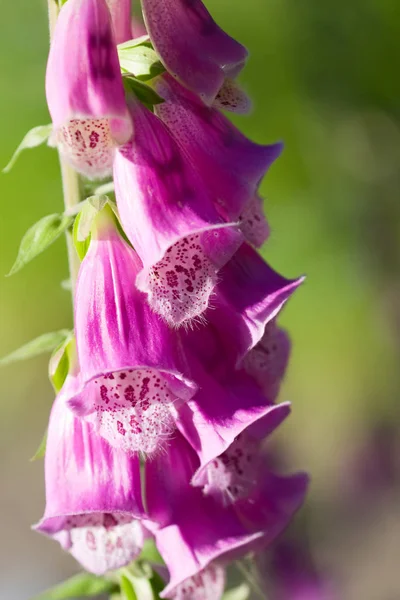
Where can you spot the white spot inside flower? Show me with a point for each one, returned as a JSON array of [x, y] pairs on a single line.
[[232, 97], [253, 223], [267, 361], [180, 284], [133, 410], [104, 542], [88, 145], [233, 475], [207, 585]]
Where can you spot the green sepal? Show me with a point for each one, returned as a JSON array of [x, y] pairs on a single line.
[[40, 345], [140, 59], [85, 220], [82, 585], [60, 362], [139, 578], [80, 247], [39, 237], [35, 137], [41, 451], [128, 592], [242, 592], [143, 92]]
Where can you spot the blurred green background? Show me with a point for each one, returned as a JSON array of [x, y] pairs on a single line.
[[324, 77]]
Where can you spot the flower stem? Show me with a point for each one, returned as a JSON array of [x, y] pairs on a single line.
[[69, 177]]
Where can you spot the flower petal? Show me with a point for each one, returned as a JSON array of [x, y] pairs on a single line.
[[253, 293], [191, 45]]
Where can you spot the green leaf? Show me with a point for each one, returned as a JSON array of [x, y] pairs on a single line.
[[242, 592], [144, 92], [34, 137], [81, 585], [40, 345], [127, 589], [141, 60], [60, 362], [39, 237], [41, 451]]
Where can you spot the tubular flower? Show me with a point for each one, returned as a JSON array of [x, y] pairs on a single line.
[[223, 410], [84, 88], [93, 496], [192, 46], [131, 364], [212, 532], [230, 165], [170, 220]]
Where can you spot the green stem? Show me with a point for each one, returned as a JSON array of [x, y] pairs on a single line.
[[69, 177]]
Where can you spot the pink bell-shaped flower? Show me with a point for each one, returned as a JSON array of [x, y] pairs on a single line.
[[192, 46], [84, 89], [170, 219], [93, 497], [133, 371]]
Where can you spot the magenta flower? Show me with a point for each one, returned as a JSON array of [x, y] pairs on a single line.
[[133, 372], [230, 165], [222, 410], [92, 494], [84, 88], [170, 220], [211, 532], [192, 46]]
